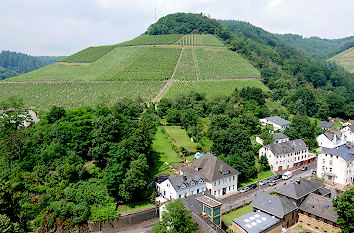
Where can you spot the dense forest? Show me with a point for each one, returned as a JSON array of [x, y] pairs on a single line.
[[13, 64], [58, 172], [317, 47]]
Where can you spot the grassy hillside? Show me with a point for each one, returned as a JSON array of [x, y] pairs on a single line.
[[207, 63], [136, 68], [345, 59]]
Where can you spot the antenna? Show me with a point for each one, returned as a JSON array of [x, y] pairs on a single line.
[[155, 13]]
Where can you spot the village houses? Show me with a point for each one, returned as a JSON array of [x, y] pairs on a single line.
[[287, 155], [332, 139], [348, 131], [220, 177], [278, 123]]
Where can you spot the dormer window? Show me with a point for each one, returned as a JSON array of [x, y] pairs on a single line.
[[183, 186], [225, 172], [192, 183]]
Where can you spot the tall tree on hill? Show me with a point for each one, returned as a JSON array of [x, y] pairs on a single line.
[[344, 205]]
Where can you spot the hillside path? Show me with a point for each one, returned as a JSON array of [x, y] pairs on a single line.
[[170, 81]]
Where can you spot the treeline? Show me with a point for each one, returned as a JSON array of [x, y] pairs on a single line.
[[13, 63], [303, 84], [57, 173], [184, 23], [315, 46]]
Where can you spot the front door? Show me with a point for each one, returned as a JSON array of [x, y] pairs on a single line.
[[280, 168]]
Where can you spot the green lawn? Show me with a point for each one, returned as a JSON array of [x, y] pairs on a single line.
[[262, 176], [337, 126], [180, 137], [227, 218], [164, 153], [134, 206]]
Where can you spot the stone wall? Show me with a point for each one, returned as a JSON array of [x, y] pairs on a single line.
[[125, 220]]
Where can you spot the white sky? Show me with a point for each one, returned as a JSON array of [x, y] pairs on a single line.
[[62, 27]]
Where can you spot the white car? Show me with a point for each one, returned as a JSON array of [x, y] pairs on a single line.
[[244, 189], [287, 175]]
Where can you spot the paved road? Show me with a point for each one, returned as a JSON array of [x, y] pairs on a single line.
[[235, 200]]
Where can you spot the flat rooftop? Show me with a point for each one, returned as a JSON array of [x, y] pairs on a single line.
[[256, 222], [209, 201]]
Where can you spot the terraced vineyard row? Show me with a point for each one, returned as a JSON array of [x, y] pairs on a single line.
[[211, 87], [214, 63], [199, 40], [122, 63], [89, 55], [153, 40], [43, 95]]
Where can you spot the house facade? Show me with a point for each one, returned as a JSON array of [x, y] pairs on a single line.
[[181, 186], [336, 165], [220, 177], [348, 131], [278, 123], [332, 139], [317, 213], [287, 155]]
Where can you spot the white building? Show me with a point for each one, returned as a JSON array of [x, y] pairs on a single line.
[[287, 155], [331, 139], [348, 131], [278, 123], [280, 137], [181, 186], [336, 165], [220, 177]]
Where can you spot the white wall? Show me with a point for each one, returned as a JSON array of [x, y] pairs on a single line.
[[349, 134], [343, 171], [229, 183], [166, 190], [323, 141]]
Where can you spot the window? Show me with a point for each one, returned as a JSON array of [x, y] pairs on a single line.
[[219, 191], [207, 210], [229, 188], [330, 162], [164, 193], [330, 169], [233, 178], [325, 220], [214, 183], [308, 214], [317, 218], [214, 193], [217, 220], [218, 182], [233, 186], [179, 196], [301, 211], [216, 211]]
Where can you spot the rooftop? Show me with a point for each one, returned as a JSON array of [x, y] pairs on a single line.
[[210, 167], [299, 188], [330, 135], [325, 125], [185, 181], [287, 147], [343, 151], [256, 222], [278, 136], [209, 201], [278, 120], [351, 127], [192, 202], [275, 205], [319, 206]]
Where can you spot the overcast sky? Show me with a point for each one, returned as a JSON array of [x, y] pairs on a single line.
[[62, 27]]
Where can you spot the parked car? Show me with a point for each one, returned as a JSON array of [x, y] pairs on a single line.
[[304, 168], [272, 183], [271, 179], [253, 186], [313, 172], [287, 175], [263, 182], [244, 189], [277, 177]]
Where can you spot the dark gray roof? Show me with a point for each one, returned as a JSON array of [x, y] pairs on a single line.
[[273, 205], [193, 204], [278, 120], [299, 188], [186, 179], [325, 125], [323, 191], [256, 222], [211, 168], [278, 136], [287, 147], [330, 135], [343, 151], [319, 206]]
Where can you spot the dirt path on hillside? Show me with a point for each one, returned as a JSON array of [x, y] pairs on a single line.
[[169, 82]]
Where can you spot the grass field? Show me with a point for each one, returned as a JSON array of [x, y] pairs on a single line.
[[211, 87], [134, 206], [180, 137], [89, 55], [43, 95], [213, 63], [122, 63], [345, 59], [227, 218]]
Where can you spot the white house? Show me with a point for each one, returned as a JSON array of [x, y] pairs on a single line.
[[280, 137], [220, 177], [287, 155], [348, 131], [278, 123], [336, 165], [181, 186], [350, 122], [331, 139]]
